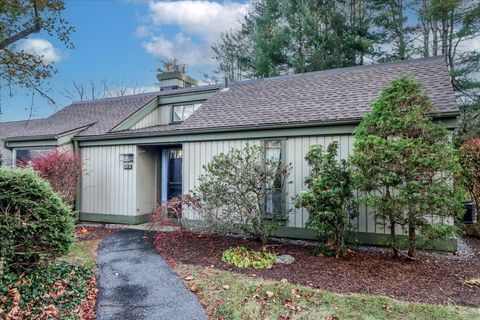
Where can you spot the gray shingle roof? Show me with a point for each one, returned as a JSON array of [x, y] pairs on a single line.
[[339, 94], [331, 95]]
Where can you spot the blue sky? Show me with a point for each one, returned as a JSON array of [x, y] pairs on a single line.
[[122, 42]]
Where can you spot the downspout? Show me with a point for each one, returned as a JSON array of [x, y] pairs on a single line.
[[78, 194]]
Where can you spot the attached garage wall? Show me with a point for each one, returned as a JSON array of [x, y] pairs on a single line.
[[107, 188]]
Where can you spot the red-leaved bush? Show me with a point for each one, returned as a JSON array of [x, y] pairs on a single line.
[[470, 160], [62, 169], [170, 212]]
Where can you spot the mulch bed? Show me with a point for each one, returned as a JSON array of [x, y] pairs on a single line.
[[431, 279], [93, 233]]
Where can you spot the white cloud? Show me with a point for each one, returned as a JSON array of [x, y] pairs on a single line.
[[41, 48], [199, 22], [180, 47], [203, 18]]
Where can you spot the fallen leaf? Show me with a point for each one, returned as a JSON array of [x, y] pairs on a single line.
[[226, 287], [269, 294], [189, 278], [284, 280], [194, 287], [84, 231]]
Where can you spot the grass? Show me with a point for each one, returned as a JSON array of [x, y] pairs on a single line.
[[83, 253], [228, 295]]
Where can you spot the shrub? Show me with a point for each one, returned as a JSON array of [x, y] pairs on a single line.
[[470, 161], [329, 199], [35, 224], [245, 258], [406, 163], [235, 189], [473, 230], [62, 169], [50, 292]]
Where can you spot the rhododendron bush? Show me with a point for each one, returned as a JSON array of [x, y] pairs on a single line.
[[62, 169]]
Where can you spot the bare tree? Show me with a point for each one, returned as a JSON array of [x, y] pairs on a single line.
[[93, 90]]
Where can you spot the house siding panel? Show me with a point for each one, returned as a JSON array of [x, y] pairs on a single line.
[[159, 116], [198, 154], [107, 188]]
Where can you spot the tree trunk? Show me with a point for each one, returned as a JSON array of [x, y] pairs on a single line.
[[393, 239], [412, 241]]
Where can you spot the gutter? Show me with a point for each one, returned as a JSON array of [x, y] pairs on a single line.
[[352, 121]]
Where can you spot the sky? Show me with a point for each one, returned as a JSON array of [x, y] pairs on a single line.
[[123, 42]]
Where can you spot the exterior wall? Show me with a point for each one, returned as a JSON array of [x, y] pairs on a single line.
[[146, 181], [159, 116], [107, 188], [198, 154]]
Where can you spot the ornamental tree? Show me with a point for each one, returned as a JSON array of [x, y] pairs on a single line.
[[329, 199], [406, 164], [62, 169], [235, 189]]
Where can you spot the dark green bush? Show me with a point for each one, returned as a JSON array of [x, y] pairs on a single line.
[[35, 224]]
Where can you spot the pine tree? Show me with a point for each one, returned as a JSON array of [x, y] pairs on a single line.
[[406, 164]]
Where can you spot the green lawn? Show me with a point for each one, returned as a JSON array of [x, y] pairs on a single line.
[[228, 295], [83, 253]]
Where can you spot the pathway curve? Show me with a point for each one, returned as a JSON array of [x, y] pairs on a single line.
[[136, 283]]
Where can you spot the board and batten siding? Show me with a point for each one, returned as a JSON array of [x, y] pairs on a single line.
[[198, 154], [159, 116], [107, 188]]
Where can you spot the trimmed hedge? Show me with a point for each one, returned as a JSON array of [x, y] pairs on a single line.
[[35, 224]]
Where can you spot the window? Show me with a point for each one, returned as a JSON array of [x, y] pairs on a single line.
[[23, 156], [275, 204], [181, 113]]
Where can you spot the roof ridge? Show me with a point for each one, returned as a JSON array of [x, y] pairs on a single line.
[[340, 70], [153, 93]]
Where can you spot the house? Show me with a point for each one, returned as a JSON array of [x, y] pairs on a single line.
[[143, 149]]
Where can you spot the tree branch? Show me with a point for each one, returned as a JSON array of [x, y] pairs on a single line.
[[24, 33]]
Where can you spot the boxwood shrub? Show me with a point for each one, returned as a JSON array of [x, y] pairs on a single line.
[[35, 224]]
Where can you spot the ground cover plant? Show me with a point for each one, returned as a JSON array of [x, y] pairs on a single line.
[[234, 191], [243, 257], [329, 199], [55, 291], [406, 164], [439, 278], [222, 292]]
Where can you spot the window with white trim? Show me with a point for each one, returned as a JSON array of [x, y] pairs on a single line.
[[183, 112]]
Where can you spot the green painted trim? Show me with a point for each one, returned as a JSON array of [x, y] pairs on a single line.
[[137, 116], [113, 218], [366, 238], [265, 132], [31, 143], [160, 101], [186, 98], [212, 136]]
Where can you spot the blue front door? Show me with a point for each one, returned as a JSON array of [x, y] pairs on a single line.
[[174, 184]]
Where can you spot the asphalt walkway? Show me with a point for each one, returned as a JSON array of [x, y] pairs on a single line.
[[136, 283]]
